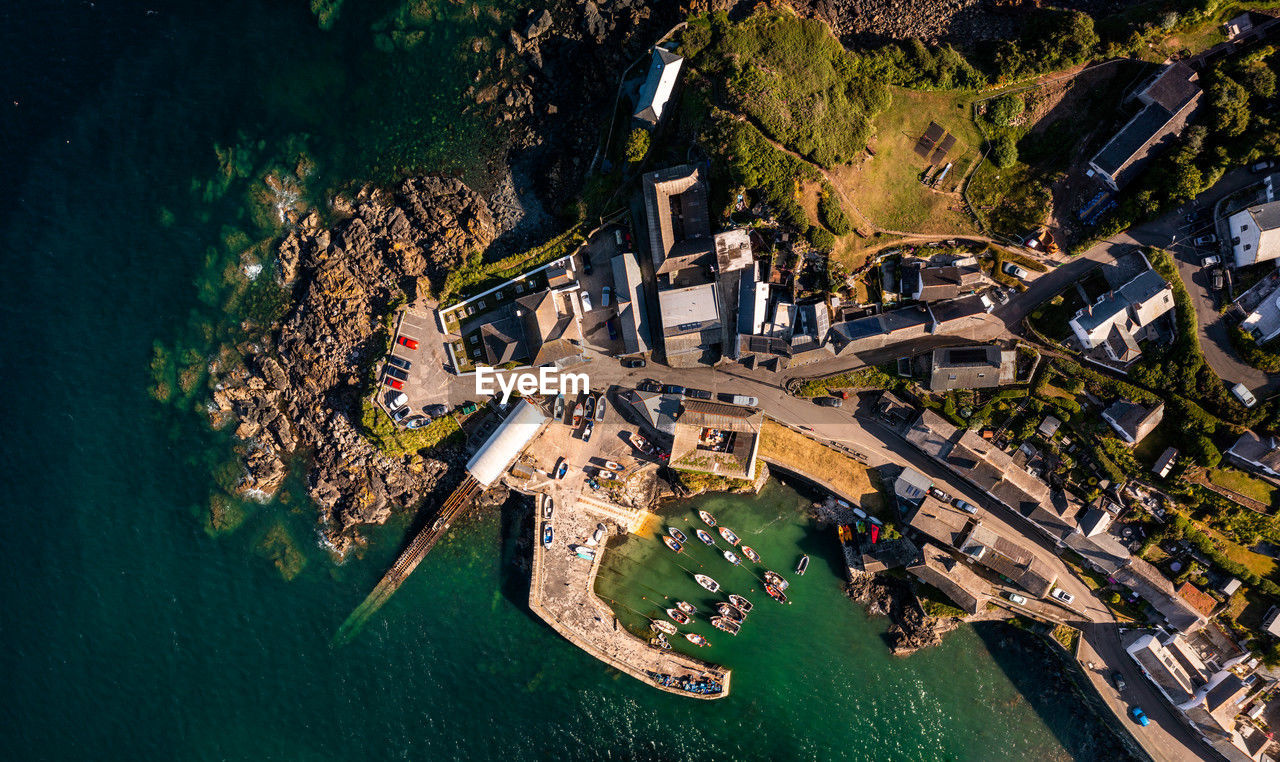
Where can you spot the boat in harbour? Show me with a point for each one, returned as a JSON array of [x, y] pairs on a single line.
[[707, 582], [707, 518], [749, 553], [677, 547], [726, 624], [678, 616], [776, 594], [686, 608], [662, 643], [613, 465], [546, 534], [731, 557], [547, 507], [591, 408], [577, 415], [728, 535], [775, 579], [696, 639], [558, 413], [731, 611], [803, 566], [676, 533], [706, 538], [600, 409], [664, 627], [741, 603]]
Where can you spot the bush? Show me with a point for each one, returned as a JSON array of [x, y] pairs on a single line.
[[1004, 152], [831, 214], [820, 238], [1006, 108], [637, 145]]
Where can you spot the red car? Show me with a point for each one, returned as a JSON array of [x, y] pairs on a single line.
[[394, 383], [405, 341]]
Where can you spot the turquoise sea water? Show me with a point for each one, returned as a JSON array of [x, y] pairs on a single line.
[[132, 162]]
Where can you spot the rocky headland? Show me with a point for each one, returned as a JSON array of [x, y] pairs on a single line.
[[911, 629], [300, 388]]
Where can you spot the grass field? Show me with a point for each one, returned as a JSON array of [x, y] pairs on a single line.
[[1240, 482], [1263, 566], [802, 454], [886, 187], [395, 441]]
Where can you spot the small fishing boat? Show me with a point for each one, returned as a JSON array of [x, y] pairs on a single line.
[[686, 608], [803, 566], [775, 594], [546, 535], [590, 410], [707, 518], [562, 470], [749, 553], [642, 444], [558, 413], [547, 507], [586, 433], [731, 611], [726, 624], [600, 409], [664, 627], [707, 582], [676, 533], [662, 643], [775, 579], [677, 547], [731, 558], [587, 554], [577, 415], [706, 538], [613, 465], [741, 603], [728, 535], [678, 616], [696, 639], [606, 474]]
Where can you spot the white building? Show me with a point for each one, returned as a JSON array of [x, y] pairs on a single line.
[[1121, 318], [1255, 234], [664, 69]]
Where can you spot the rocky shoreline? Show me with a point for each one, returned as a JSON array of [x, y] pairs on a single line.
[[911, 629]]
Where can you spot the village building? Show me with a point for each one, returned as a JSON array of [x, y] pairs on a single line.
[[1169, 100], [980, 367], [659, 83], [944, 571], [1132, 422], [1120, 319], [633, 313], [717, 439], [1260, 455], [1255, 234]]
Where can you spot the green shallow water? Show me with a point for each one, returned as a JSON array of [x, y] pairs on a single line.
[[130, 632]]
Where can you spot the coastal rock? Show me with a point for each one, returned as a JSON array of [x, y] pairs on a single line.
[[911, 629], [539, 25]]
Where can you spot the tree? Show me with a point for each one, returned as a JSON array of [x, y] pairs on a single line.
[[1004, 152], [820, 238], [1230, 104], [1006, 108], [637, 145]]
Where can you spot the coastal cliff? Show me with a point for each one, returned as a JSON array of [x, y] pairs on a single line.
[[300, 388]]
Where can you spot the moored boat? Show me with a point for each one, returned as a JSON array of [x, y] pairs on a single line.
[[547, 507], [577, 415], [728, 535], [600, 409], [749, 553], [678, 616], [687, 608], [662, 643], [586, 554], [664, 627], [613, 465], [546, 535], [743, 604], [562, 470], [677, 547], [731, 611], [775, 594], [726, 624], [591, 408], [775, 579], [696, 639], [707, 518], [676, 533], [731, 557], [558, 412], [706, 538], [707, 582], [803, 566]]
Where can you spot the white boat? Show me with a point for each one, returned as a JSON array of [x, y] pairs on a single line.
[[707, 518], [613, 465], [707, 582], [743, 604], [803, 566], [664, 627], [600, 408], [731, 558], [696, 639], [728, 535]]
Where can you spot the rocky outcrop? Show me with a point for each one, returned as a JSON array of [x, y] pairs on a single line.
[[300, 390], [911, 628]]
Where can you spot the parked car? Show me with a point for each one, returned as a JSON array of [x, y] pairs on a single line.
[[586, 301], [399, 414], [1217, 280], [613, 331], [698, 394], [672, 389], [605, 293], [396, 373], [1000, 295], [1014, 270], [1062, 595], [633, 362], [1210, 261], [1262, 166], [399, 362], [1118, 680], [416, 422], [1018, 599], [1205, 240], [435, 411], [829, 401], [965, 506], [939, 494], [586, 264], [649, 386], [394, 383], [617, 237], [1244, 395], [397, 400], [744, 400], [1140, 716], [405, 341]]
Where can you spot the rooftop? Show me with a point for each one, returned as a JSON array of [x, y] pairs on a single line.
[[688, 309], [664, 69]]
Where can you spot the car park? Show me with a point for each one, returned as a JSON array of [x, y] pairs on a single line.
[[829, 401], [605, 293], [394, 383], [1205, 240], [1062, 595], [407, 342], [1210, 261], [396, 373], [1015, 598], [633, 362], [965, 506], [939, 495], [1139, 716], [399, 362], [586, 301], [698, 394]]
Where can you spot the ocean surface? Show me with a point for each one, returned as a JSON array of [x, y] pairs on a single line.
[[148, 151]]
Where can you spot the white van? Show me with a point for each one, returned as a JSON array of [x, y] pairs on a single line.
[[1244, 395], [742, 399]]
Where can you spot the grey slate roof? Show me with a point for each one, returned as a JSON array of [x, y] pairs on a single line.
[[977, 367], [1132, 421]]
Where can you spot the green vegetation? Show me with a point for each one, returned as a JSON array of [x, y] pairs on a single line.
[[1004, 152], [863, 378], [1051, 40], [1243, 484], [831, 214], [820, 238], [637, 145], [225, 514], [935, 602], [395, 441], [1264, 357], [700, 481], [1006, 108], [750, 161], [1067, 636], [477, 275]]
